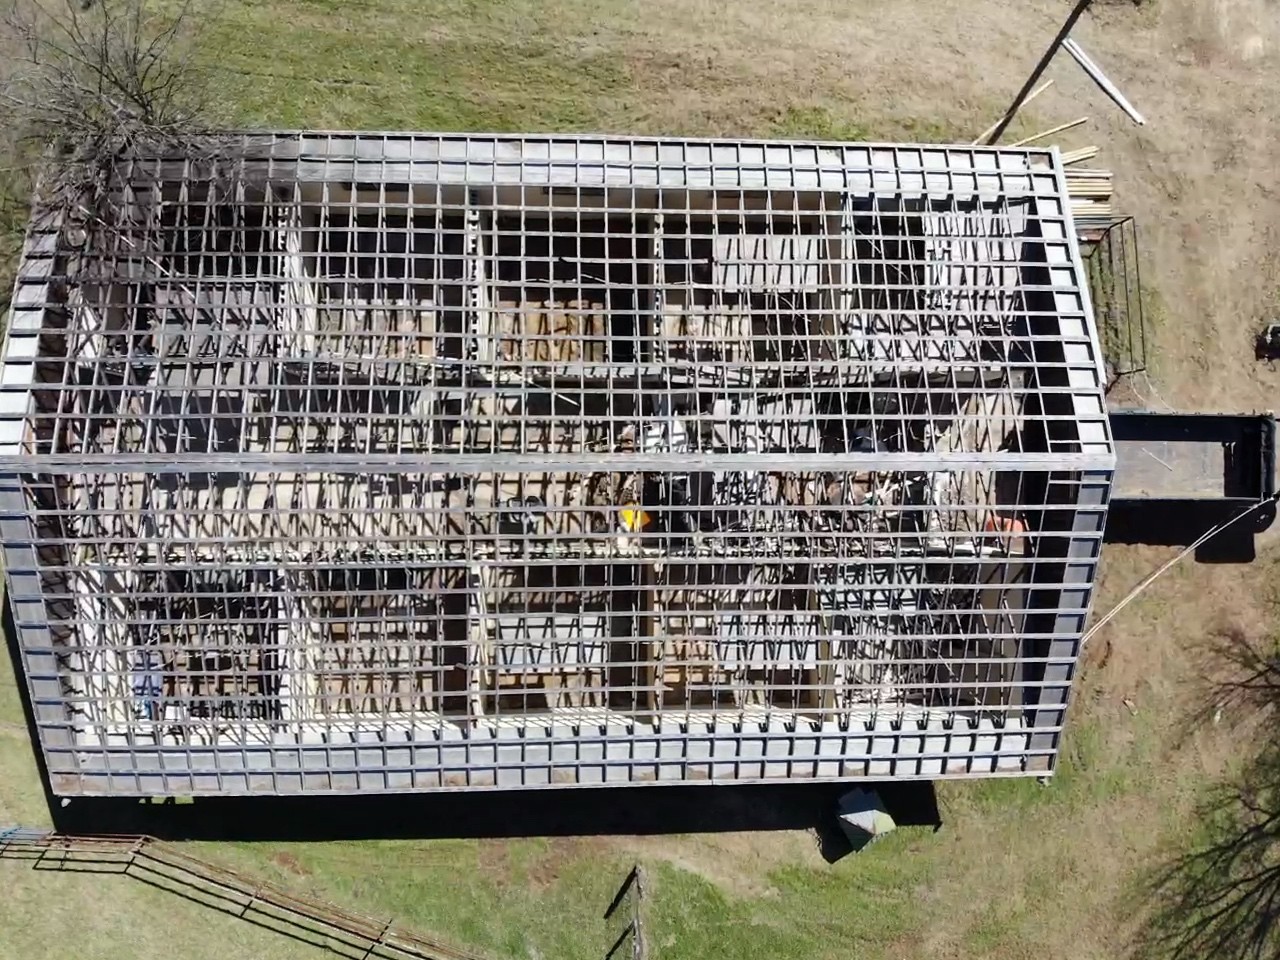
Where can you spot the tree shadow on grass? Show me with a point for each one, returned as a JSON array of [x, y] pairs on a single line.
[[1221, 899]]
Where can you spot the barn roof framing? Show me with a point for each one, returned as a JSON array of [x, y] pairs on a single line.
[[377, 316]]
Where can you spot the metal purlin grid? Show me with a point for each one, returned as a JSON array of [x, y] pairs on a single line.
[[353, 448]]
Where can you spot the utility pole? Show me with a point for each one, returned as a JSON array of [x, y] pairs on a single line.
[[1063, 33]]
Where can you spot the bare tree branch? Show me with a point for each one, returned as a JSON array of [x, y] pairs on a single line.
[[90, 87], [1222, 899]]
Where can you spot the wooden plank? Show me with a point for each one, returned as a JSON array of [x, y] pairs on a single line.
[[1009, 115], [1051, 131]]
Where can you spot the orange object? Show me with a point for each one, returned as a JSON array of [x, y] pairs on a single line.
[[1009, 525]]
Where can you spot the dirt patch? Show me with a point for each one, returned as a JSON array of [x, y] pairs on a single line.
[[536, 864], [290, 864], [493, 860], [559, 858], [1202, 181], [738, 863], [1158, 653]]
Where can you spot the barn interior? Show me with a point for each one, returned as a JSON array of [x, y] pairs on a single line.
[[476, 456]]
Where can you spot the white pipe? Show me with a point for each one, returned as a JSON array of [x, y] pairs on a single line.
[[1095, 72]]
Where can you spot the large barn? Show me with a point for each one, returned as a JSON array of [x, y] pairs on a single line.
[[392, 462]]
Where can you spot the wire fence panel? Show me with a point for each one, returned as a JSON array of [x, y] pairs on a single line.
[[1115, 286]]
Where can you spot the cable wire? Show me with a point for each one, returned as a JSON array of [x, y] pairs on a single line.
[[1159, 571]]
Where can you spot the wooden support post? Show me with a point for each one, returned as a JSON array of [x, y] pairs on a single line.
[[253, 899], [649, 648], [647, 341], [375, 944], [631, 892], [478, 639]]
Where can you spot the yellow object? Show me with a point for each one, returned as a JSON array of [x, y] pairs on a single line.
[[633, 518]]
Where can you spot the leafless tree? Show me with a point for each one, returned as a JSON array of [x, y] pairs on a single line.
[[87, 84], [1222, 898], [94, 96]]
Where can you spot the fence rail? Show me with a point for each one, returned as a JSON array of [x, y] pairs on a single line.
[[160, 864]]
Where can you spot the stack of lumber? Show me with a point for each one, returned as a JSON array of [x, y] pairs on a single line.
[[1089, 189]]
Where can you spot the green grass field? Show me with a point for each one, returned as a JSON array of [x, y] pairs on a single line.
[[1020, 870]]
